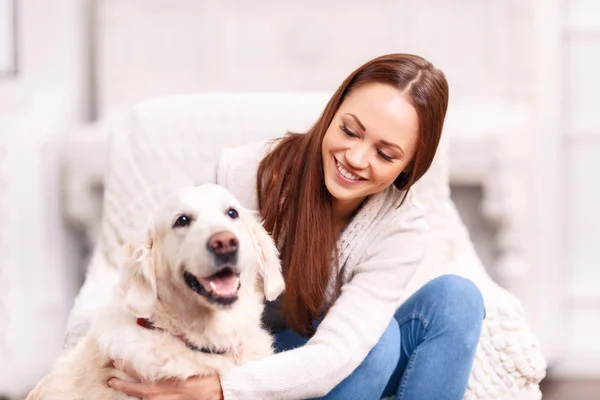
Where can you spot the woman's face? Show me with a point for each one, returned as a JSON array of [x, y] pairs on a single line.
[[370, 141]]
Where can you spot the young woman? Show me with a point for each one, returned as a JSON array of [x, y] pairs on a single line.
[[337, 200]]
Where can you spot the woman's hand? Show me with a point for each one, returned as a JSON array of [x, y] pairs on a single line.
[[194, 388]]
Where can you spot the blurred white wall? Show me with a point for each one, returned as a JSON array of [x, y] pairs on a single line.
[[145, 48], [47, 96], [579, 124]]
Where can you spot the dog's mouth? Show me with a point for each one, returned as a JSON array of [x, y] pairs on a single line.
[[220, 288]]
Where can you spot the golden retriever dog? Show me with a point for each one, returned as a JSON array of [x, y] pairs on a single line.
[[188, 302]]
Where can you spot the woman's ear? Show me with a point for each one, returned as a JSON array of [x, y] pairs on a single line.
[[268, 263], [138, 279], [402, 180]]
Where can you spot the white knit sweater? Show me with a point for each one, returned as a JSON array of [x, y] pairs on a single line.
[[378, 252]]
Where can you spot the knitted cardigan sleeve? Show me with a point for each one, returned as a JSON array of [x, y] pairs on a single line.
[[352, 327]]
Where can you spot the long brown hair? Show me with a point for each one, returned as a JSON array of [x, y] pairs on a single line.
[[294, 201]]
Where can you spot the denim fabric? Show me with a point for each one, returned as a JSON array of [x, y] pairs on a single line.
[[425, 353]]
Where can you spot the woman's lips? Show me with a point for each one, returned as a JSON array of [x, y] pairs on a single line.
[[337, 166]]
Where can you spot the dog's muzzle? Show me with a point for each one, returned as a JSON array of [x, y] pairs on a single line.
[[224, 248], [223, 285]]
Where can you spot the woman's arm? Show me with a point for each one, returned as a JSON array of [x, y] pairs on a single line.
[[352, 327]]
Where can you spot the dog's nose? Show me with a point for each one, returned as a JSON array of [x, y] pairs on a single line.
[[223, 243]]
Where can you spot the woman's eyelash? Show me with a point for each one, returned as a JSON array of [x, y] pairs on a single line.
[[384, 156], [348, 131]]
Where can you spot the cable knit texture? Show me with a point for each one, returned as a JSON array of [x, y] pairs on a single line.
[[386, 253]]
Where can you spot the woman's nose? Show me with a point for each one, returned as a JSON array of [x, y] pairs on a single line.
[[357, 157]]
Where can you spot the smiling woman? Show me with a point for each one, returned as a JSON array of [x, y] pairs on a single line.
[[359, 161], [379, 131]]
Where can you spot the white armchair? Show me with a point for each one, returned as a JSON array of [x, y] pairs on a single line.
[[182, 136]]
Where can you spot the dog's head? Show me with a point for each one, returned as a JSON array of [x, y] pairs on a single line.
[[203, 244]]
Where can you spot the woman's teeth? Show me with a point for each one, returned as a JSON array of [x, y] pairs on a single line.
[[345, 173]]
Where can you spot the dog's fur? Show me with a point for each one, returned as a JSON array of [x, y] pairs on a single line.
[[152, 286]]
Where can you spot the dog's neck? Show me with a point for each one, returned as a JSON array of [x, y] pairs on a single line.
[[148, 324], [201, 326], [177, 315]]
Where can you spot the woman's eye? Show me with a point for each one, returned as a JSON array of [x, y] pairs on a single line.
[[348, 132], [233, 214], [182, 221], [384, 156]]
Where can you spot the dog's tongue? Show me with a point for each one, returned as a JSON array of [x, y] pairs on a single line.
[[221, 285]]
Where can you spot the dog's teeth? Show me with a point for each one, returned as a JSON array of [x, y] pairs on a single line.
[[213, 287], [237, 283]]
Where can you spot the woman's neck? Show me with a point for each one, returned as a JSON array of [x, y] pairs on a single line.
[[343, 211]]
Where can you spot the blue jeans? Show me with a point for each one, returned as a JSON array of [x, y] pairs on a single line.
[[427, 350]]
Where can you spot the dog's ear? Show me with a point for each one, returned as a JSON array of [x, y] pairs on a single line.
[[269, 265], [138, 280]]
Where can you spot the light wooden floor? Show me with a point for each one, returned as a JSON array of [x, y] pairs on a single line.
[[570, 390]]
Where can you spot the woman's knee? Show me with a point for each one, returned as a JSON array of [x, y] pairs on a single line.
[[459, 305]]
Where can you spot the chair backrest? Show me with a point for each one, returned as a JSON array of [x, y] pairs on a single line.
[[170, 141]]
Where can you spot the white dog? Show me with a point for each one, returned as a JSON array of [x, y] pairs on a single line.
[[189, 300]]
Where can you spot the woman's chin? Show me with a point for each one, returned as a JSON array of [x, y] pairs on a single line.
[[344, 195]]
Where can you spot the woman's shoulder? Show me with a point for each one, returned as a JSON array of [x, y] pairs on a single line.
[[406, 216], [412, 206], [401, 205]]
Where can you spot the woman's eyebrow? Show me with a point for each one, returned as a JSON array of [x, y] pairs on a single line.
[[357, 121], [390, 144]]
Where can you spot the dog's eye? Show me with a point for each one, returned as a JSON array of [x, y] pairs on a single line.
[[233, 214], [182, 221]]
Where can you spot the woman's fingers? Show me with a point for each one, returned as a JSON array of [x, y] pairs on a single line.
[[127, 369], [134, 389], [169, 388]]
